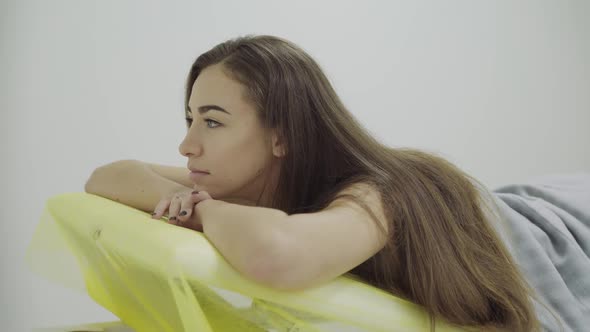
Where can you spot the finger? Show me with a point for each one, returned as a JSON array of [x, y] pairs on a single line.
[[161, 208], [203, 195], [200, 196], [186, 208], [173, 209]]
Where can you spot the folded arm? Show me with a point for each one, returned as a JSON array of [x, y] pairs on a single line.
[[292, 252], [137, 184], [282, 251]]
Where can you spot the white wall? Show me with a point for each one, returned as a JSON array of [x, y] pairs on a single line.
[[502, 88]]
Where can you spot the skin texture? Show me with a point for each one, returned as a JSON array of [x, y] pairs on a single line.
[[239, 153]]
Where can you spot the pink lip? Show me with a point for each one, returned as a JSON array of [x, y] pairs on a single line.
[[196, 170], [197, 175]]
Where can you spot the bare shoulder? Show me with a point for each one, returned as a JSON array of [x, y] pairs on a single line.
[[368, 195]]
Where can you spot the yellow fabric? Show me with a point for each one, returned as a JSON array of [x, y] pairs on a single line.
[[163, 278]]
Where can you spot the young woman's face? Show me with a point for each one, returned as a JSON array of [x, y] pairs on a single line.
[[227, 140]]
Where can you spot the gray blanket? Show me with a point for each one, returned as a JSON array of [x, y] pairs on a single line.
[[547, 231]]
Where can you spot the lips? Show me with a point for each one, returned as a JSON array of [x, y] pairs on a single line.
[[195, 170], [197, 176]]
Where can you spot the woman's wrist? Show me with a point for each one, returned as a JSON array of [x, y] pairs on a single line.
[[205, 209], [204, 204]]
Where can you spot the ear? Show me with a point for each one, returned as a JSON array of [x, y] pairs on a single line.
[[279, 148]]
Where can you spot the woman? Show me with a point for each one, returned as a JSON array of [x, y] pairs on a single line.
[[293, 192]]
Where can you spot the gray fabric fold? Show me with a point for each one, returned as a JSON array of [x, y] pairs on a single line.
[[547, 230]]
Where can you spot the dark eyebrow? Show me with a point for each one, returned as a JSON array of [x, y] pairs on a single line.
[[206, 108]]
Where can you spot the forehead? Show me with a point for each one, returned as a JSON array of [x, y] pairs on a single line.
[[214, 87]]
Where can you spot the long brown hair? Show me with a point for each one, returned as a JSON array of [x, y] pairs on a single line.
[[443, 251]]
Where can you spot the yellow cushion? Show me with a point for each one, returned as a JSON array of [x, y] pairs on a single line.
[[163, 278]]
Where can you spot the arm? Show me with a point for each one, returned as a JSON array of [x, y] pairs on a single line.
[[248, 237], [248, 249], [137, 184], [329, 243], [296, 251]]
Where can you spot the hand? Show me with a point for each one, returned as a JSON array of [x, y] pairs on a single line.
[[180, 206]]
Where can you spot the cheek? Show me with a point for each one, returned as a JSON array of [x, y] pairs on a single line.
[[247, 158], [239, 155]]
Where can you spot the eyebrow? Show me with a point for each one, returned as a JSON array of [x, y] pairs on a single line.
[[206, 108]]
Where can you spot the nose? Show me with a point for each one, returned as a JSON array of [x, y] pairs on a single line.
[[189, 146]]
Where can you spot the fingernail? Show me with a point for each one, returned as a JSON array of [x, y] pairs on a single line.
[[183, 213], [195, 192]]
